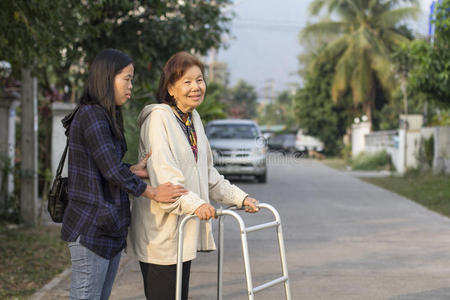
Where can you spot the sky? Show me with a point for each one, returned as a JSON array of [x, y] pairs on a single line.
[[263, 45]]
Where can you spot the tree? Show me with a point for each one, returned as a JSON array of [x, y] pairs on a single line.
[[212, 107], [430, 74], [317, 114], [280, 112], [361, 40], [57, 39], [242, 101]]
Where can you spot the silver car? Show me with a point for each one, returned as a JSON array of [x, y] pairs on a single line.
[[238, 148]]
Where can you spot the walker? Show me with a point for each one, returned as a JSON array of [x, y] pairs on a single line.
[[221, 213]]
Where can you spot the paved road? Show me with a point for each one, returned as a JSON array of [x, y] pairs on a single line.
[[345, 239]]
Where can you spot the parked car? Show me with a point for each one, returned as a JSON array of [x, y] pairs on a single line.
[[238, 148], [284, 143], [306, 143]]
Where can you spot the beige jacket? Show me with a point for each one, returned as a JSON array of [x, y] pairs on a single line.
[[154, 226]]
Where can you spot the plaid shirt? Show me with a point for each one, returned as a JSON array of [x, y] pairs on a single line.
[[98, 209]]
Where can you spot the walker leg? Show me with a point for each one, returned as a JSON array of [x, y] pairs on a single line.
[[220, 259], [246, 257], [180, 256], [284, 268]]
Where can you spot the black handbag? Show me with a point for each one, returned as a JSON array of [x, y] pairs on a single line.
[[58, 196]]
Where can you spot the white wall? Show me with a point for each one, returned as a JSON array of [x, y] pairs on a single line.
[[404, 146], [441, 161], [59, 110], [358, 137]]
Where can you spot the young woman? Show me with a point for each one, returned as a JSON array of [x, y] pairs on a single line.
[[181, 154], [98, 214]]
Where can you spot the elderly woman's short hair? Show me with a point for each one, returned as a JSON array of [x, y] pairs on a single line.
[[173, 70]]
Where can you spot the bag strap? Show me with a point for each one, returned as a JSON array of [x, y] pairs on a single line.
[[63, 159], [66, 121]]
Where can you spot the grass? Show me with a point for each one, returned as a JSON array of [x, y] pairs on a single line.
[[372, 161], [364, 161], [432, 191], [336, 163], [29, 258]]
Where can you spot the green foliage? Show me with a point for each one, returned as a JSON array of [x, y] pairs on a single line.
[[377, 161], [317, 114], [282, 111], [388, 117], [34, 32], [360, 41], [442, 118], [57, 40], [428, 147], [212, 107], [242, 101], [132, 132], [431, 72], [346, 153]]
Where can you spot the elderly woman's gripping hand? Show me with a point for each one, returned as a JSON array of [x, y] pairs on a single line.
[[205, 212], [250, 205]]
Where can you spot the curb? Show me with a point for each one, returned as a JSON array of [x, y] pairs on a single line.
[[51, 285]]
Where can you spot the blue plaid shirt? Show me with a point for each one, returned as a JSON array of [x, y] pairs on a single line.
[[98, 209]]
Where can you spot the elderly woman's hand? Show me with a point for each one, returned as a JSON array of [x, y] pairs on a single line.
[[250, 205], [205, 212]]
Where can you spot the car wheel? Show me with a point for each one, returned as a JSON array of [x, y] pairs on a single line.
[[262, 178]]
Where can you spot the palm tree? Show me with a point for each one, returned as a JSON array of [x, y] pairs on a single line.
[[360, 41]]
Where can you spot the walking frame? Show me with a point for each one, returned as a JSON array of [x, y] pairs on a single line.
[[221, 213]]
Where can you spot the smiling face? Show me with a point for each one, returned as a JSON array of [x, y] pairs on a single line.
[[123, 85], [189, 90]]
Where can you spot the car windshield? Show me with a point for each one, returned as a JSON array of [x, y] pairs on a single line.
[[232, 131]]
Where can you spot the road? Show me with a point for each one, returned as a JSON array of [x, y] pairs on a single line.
[[345, 239]]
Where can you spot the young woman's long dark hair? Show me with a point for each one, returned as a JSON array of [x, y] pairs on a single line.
[[100, 85]]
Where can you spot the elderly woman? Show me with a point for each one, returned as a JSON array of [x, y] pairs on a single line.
[[173, 132]]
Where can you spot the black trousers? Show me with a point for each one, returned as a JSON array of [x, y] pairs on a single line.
[[160, 281]]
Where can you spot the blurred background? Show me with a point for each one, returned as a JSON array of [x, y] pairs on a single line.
[[363, 79]]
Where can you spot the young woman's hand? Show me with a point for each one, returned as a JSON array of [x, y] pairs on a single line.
[[168, 192], [250, 205], [205, 212], [140, 169]]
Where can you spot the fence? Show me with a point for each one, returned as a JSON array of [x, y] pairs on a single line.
[[406, 146]]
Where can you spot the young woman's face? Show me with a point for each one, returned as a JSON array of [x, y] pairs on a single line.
[[189, 90], [123, 85]]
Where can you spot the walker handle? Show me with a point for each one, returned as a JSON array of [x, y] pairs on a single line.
[[219, 211]]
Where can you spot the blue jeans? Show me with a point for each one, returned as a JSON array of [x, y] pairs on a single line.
[[92, 275]]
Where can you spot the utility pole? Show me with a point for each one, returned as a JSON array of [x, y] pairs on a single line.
[[29, 167]]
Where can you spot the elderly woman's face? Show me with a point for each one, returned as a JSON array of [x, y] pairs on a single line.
[[189, 90]]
